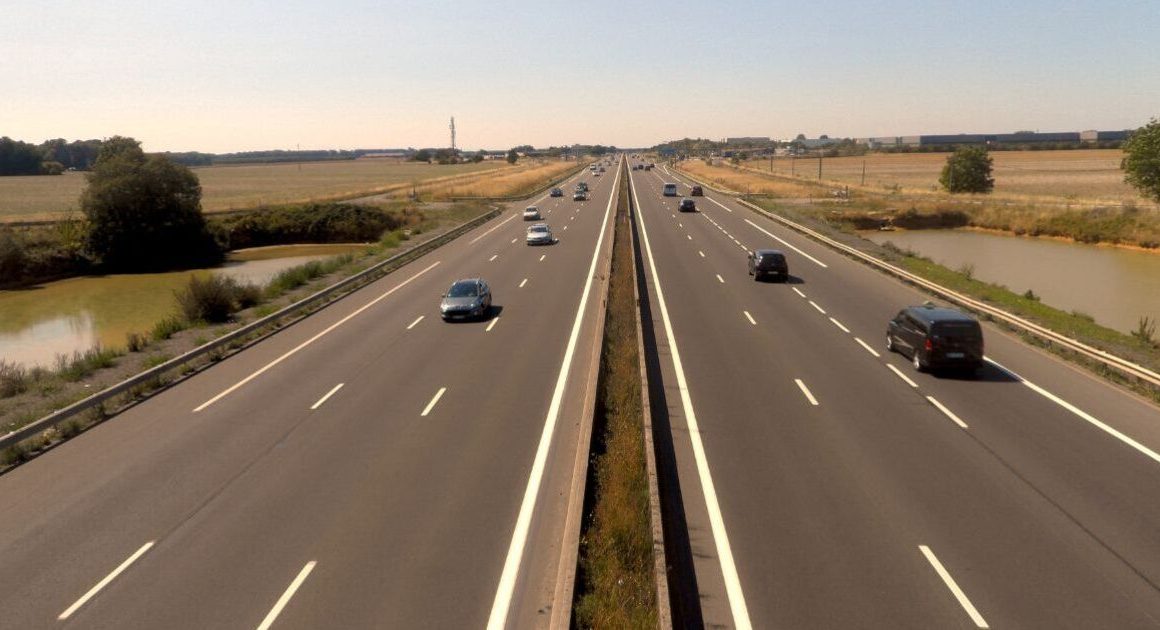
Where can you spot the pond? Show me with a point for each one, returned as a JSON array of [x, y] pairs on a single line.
[[1116, 286], [73, 315]]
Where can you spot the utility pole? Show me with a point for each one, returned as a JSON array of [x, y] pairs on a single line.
[[863, 172], [453, 133], [819, 165]]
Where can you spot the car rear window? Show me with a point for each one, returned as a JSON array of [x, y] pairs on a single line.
[[771, 258], [957, 330]]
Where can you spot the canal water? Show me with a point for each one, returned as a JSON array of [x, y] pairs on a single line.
[[67, 316], [1114, 285]]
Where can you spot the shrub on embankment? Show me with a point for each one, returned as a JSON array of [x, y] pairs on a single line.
[[311, 223]]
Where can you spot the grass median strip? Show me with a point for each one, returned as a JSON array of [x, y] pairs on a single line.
[[615, 585]]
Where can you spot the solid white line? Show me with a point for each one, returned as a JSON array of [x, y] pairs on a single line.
[[1147, 452], [431, 405], [716, 520], [105, 582], [749, 317], [798, 291], [806, 391], [417, 320], [701, 253], [507, 583], [839, 325], [946, 411], [327, 396], [493, 258], [494, 228], [493, 322], [867, 346], [815, 305], [901, 375], [311, 340], [720, 279], [285, 598], [786, 243], [954, 587], [523, 282]]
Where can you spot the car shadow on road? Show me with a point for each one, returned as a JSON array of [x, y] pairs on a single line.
[[775, 280], [986, 374]]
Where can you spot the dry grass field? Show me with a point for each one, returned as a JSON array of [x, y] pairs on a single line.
[[1092, 176], [246, 186]]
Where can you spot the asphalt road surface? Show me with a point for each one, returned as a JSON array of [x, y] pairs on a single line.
[[827, 484], [368, 467]]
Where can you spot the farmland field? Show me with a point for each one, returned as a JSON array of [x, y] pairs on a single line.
[[1091, 175], [245, 186]]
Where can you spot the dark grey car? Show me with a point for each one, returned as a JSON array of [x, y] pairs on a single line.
[[466, 299], [935, 338], [768, 262]]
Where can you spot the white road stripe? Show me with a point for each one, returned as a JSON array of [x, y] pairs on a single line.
[[815, 305], [494, 228], [565, 228], [749, 317], [806, 391], [716, 521], [954, 587], [542, 257], [798, 291], [311, 340], [105, 582], [839, 325], [946, 411], [494, 321], [417, 320], [786, 243], [285, 598], [701, 253], [493, 258], [689, 236], [720, 279], [515, 239], [431, 405], [327, 396], [901, 375], [523, 282], [505, 590], [867, 346], [1147, 452]]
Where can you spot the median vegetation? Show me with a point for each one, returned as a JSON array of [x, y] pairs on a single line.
[[615, 584]]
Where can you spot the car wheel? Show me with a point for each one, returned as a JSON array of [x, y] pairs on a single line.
[[918, 366], [890, 343]]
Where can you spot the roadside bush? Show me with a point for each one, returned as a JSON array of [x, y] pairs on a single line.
[[167, 327], [82, 364], [968, 170], [13, 379], [309, 223], [213, 299]]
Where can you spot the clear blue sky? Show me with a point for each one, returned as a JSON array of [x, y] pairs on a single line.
[[228, 75]]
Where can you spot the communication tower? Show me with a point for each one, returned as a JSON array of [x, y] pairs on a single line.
[[452, 133]]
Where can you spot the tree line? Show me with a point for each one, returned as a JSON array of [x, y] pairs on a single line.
[[51, 157]]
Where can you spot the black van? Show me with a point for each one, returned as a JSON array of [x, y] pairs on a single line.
[[935, 337]]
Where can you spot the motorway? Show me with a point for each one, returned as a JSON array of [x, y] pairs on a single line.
[[827, 484], [367, 467]]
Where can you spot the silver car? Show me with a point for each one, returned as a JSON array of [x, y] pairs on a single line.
[[466, 299], [540, 234], [532, 213]]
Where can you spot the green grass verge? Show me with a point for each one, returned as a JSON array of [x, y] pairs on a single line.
[[616, 587]]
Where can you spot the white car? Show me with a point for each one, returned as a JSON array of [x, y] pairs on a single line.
[[532, 213], [540, 234]]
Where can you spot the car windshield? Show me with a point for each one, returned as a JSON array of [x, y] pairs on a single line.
[[463, 289], [537, 229]]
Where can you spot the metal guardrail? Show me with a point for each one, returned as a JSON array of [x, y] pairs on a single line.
[[1108, 359], [372, 273]]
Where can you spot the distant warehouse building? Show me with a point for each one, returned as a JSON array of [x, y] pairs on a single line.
[[748, 140]]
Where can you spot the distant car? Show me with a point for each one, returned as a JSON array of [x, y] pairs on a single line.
[[670, 190], [601, 170], [580, 195], [597, 173], [539, 234], [936, 337], [648, 167], [466, 299], [697, 192], [532, 213], [768, 262], [582, 186], [556, 192], [687, 205]]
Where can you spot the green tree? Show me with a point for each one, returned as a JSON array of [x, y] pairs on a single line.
[[1141, 163], [422, 155], [968, 169], [512, 156], [478, 156], [144, 212]]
